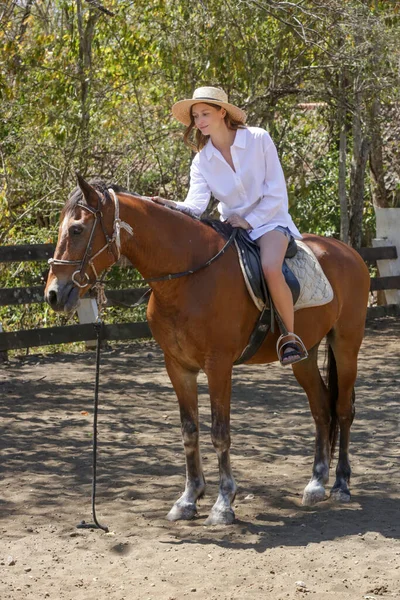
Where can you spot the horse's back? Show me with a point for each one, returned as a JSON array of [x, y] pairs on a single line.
[[346, 272]]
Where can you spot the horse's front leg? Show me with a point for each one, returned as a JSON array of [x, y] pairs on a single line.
[[185, 386], [220, 385]]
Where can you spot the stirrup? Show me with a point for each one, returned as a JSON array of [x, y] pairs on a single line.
[[297, 342]]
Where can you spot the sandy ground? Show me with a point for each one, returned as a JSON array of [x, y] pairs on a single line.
[[336, 552]]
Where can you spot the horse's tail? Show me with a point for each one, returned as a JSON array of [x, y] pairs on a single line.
[[333, 390]]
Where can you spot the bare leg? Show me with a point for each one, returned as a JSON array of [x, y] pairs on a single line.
[[185, 386], [273, 246], [219, 382], [309, 377]]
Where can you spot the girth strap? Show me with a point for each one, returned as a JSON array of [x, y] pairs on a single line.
[[259, 333]]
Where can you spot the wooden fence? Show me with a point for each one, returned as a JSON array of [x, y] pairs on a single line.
[[69, 333], [126, 331]]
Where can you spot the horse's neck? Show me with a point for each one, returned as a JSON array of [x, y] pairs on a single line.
[[164, 241]]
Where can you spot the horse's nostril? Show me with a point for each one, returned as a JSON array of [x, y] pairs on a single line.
[[52, 298]]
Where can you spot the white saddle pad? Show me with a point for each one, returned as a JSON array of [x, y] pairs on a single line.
[[315, 289]]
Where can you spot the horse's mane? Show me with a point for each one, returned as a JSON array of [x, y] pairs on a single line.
[[76, 195], [220, 227], [101, 186]]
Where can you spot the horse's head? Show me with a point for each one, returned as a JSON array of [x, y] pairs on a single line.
[[88, 243]]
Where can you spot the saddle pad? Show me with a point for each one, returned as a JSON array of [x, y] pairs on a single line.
[[315, 289]]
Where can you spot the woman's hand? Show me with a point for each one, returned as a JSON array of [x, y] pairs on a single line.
[[163, 201], [237, 221]]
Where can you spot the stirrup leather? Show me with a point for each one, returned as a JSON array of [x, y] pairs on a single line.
[[280, 347]]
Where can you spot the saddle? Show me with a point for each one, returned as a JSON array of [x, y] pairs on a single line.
[[250, 263]]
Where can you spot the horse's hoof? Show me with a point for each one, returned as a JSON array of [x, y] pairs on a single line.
[[313, 493], [182, 512], [340, 496], [221, 517]]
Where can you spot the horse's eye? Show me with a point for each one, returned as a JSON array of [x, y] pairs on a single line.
[[76, 229]]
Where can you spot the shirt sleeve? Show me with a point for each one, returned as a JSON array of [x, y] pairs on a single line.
[[274, 195], [199, 193]]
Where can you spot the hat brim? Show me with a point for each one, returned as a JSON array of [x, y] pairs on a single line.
[[181, 109]]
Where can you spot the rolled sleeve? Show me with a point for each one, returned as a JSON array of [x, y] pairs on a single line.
[[199, 192], [274, 196]]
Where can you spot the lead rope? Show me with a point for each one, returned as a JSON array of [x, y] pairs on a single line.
[[99, 330], [98, 327]]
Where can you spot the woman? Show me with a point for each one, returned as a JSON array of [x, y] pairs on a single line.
[[239, 165]]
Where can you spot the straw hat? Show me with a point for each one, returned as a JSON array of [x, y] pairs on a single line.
[[210, 95]]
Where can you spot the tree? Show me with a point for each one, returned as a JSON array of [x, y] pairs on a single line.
[[93, 83]]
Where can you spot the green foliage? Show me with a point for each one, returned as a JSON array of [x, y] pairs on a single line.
[[80, 90]]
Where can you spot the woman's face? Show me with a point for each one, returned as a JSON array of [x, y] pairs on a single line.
[[208, 119]]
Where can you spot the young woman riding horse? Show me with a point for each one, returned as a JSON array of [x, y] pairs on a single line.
[[240, 166], [203, 322]]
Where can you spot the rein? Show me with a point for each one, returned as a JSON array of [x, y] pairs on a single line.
[[116, 240], [191, 271]]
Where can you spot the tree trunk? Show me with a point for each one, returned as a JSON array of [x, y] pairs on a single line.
[[21, 33], [344, 209], [379, 192], [361, 146], [86, 35], [357, 196]]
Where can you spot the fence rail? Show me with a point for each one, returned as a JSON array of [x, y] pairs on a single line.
[[71, 333], [371, 255], [35, 295], [26, 253], [126, 331]]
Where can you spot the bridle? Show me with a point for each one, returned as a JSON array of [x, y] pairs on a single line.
[[112, 243], [116, 241]]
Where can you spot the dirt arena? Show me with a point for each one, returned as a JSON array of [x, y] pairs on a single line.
[[276, 549]]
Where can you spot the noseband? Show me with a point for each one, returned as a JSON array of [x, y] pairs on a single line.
[[115, 239]]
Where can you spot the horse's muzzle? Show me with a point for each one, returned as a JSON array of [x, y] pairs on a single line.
[[62, 297]]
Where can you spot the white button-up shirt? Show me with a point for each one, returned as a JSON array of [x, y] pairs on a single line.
[[256, 190]]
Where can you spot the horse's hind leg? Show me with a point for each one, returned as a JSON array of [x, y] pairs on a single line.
[[308, 375], [343, 355], [185, 386], [220, 385]]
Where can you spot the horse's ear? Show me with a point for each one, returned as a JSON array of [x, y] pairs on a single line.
[[89, 193]]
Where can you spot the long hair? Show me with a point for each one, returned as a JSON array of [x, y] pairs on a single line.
[[200, 140]]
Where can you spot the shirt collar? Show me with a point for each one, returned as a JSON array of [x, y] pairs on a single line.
[[240, 138], [239, 141]]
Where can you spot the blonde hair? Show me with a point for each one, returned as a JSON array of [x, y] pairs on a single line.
[[200, 140]]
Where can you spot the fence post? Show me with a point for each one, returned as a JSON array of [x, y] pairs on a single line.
[[3, 354], [87, 313], [388, 233]]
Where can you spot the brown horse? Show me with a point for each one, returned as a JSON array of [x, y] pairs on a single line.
[[203, 322]]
